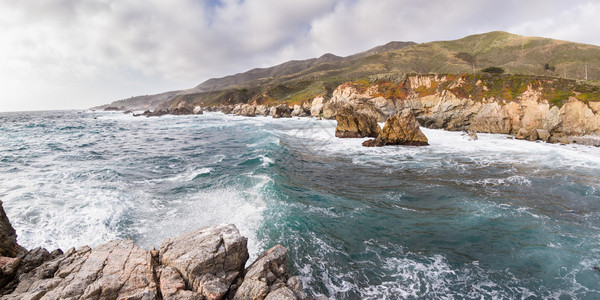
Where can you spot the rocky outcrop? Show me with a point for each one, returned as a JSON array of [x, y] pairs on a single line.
[[267, 278], [453, 103], [180, 110], [299, 111], [280, 111], [400, 129], [352, 124], [207, 263], [316, 108], [8, 237]]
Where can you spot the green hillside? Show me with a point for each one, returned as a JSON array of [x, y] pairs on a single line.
[[298, 81]]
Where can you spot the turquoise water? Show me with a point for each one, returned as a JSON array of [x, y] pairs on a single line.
[[460, 219]]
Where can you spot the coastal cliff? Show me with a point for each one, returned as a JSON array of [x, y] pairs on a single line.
[[207, 263], [527, 107]]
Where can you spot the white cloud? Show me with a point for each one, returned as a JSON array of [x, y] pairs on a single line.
[[79, 53]]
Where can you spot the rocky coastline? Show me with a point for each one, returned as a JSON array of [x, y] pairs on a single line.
[[530, 110], [208, 263]]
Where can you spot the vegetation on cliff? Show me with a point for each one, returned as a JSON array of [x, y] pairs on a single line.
[[295, 82]]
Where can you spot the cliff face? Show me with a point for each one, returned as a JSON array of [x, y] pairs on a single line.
[[528, 107]]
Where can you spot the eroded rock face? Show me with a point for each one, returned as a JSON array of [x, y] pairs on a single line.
[[8, 237], [400, 129], [267, 278], [115, 270], [246, 110], [208, 259], [352, 124], [280, 111]]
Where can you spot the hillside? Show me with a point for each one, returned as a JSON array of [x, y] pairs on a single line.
[[298, 81]]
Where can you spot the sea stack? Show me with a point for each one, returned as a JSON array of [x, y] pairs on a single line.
[[400, 129]]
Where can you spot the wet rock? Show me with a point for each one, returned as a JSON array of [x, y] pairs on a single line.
[[524, 134], [267, 274], [351, 124], [400, 129], [247, 110], [262, 110], [281, 111], [197, 110], [543, 134], [299, 111], [208, 259]]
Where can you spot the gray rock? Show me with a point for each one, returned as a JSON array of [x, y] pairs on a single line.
[[208, 259], [281, 111], [260, 277]]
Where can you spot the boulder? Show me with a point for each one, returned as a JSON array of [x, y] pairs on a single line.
[[299, 111], [197, 110], [400, 129], [543, 134], [247, 110], [352, 124], [281, 111], [267, 275], [316, 108], [208, 259], [524, 134], [262, 110]]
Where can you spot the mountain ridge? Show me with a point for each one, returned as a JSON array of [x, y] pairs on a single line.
[[297, 81]]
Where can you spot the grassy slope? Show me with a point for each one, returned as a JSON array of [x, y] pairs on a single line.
[[516, 54]]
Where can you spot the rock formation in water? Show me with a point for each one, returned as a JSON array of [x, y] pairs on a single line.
[[207, 263], [527, 109], [353, 124], [180, 110], [400, 129]]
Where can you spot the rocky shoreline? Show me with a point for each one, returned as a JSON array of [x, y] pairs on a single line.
[[447, 102], [207, 263]]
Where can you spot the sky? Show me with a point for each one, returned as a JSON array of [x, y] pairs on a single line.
[[75, 54]]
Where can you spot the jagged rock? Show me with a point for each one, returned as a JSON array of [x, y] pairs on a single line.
[[281, 111], [524, 134], [400, 129], [316, 108], [197, 110], [543, 134], [247, 110], [299, 111], [208, 259], [266, 276], [115, 270], [203, 264], [351, 124], [8, 237], [262, 110]]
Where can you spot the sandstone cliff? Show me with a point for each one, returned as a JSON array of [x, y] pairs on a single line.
[[207, 263], [528, 107]]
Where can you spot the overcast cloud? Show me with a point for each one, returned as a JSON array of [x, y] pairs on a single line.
[[57, 54]]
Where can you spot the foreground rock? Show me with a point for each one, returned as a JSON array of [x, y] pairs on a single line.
[[207, 263], [400, 129], [352, 124]]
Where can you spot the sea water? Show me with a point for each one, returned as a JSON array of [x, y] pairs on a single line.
[[459, 219]]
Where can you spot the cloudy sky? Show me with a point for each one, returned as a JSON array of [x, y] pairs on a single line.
[[58, 54]]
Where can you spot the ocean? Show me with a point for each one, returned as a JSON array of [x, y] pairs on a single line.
[[495, 218]]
